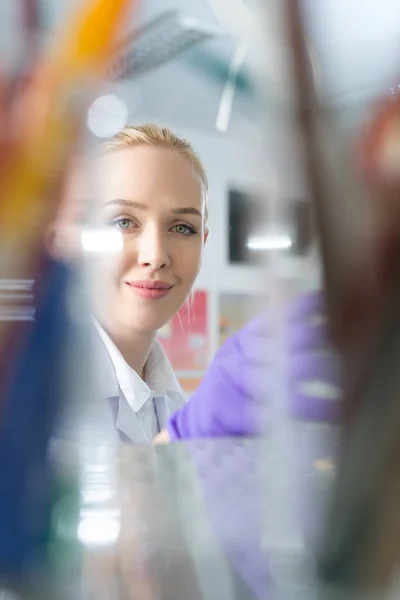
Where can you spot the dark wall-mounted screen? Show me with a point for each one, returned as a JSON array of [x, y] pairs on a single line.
[[246, 214], [249, 217]]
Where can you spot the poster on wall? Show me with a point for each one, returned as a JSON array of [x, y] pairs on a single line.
[[186, 340]]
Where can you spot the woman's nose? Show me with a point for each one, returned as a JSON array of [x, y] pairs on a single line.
[[153, 251]]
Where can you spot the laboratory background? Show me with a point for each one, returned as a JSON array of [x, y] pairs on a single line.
[[252, 450]]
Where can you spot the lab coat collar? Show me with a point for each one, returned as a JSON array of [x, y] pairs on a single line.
[[159, 374], [160, 379], [128, 423], [166, 406], [135, 390], [167, 392]]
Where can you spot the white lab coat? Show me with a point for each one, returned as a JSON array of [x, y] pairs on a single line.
[[96, 408]]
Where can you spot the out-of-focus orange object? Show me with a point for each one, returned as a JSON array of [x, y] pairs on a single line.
[[47, 116]]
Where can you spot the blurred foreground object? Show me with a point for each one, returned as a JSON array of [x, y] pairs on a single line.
[[41, 122], [361, 259], [364, 545], [40, 129], [192, 520]]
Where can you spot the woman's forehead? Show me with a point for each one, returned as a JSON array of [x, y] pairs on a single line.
[[155, 176], [147, 172]]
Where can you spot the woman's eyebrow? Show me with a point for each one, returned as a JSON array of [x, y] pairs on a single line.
[[122, 202], [189, 210]]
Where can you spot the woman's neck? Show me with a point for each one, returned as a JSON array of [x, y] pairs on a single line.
[[135, 346]]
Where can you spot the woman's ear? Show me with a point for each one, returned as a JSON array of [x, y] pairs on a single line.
[[206, 232]]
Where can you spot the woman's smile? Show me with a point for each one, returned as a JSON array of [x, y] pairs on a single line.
[[150, 290]]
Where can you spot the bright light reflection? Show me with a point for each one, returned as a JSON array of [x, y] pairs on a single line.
[[107, 116], [99, 528], [102, 241], [97, 496], [270, 242]]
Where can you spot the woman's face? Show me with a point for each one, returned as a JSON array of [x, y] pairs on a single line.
[[154, 199]]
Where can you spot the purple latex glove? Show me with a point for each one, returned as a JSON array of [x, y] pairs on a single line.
[[314, 373], [235, 395]]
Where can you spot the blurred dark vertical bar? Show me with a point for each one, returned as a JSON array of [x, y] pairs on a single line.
[[362, 543], [301, 216], [29, 368], [26, 49], [326, 211], [31, 23], [28, 40]]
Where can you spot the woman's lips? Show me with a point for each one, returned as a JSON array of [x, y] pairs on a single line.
[[151, 290]]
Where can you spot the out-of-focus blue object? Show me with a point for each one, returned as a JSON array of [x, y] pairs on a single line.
[[234, 397], [29, 410]]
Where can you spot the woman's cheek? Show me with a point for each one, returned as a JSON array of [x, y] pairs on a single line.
[[125, 261], [190, 257], [198, 258]]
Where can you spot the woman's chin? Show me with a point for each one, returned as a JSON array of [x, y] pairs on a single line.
[[146, 322]]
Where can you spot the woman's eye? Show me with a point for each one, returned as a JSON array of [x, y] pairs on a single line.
[[123, 223], [184, 229]]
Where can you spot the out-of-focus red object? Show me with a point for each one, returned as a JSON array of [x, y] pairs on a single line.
[[378, 161], [379, 148]]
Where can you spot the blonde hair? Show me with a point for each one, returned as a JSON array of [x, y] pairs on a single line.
[[152, 135]]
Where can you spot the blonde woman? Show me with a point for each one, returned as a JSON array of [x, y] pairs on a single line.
[[152, 189]]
